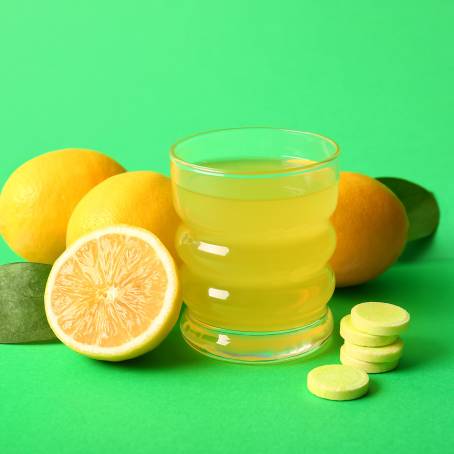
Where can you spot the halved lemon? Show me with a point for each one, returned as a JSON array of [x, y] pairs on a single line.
[[113, 294]]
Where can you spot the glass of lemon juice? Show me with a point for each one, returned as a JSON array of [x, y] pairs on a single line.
[[255, 241]]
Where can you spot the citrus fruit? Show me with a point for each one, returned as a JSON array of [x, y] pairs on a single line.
[[39, 196], [371, 228], [113, 294], [141, 199]]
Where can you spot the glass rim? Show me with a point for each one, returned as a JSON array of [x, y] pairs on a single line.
[[212, 170]]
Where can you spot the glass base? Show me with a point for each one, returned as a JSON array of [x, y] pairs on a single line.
[[256, 347]]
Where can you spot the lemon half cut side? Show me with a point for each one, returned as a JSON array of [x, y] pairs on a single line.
[[113, 294]]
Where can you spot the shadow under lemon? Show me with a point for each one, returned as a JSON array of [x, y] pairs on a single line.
[[172, 353]]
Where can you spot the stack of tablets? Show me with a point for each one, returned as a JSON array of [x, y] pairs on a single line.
[[371, 334]]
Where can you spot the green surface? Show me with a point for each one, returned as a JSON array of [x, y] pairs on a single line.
[[128, 78]]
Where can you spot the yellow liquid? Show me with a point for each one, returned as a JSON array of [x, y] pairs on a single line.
[[255, 250]]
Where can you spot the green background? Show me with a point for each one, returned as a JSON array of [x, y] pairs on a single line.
[[128, 79]]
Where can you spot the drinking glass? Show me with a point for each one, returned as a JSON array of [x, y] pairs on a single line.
[[255, 241]]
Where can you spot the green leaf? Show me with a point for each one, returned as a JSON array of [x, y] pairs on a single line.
[[22, 314], [420, 204]]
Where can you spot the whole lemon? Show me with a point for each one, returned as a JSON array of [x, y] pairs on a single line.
[[141, 199], [371, 227], [39, 197]]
